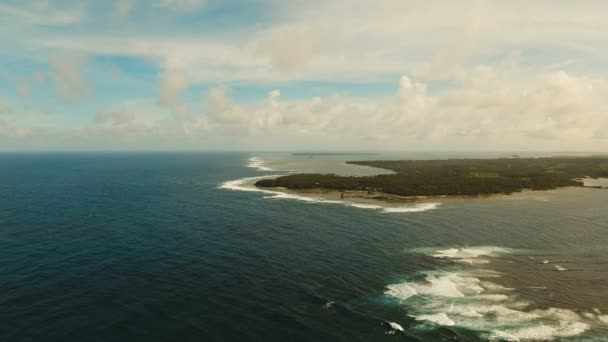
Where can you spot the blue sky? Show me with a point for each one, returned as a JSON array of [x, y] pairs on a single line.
[[327, 74]]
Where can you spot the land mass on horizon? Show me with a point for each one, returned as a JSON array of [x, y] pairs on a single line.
[[454, 177]]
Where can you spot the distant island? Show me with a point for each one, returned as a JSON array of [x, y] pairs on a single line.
[[454, 177]]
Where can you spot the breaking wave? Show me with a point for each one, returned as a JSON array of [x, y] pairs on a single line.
[[259, 164], [471, 298], [247, 184]]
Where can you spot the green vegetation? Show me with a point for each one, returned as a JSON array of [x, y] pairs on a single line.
[[455, 177]]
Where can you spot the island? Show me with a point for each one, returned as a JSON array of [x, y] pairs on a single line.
[[453, 177]]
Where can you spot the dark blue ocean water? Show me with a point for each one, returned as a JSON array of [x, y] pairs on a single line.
[[145, 246]]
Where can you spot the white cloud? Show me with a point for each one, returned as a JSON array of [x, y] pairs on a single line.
[[552, 109], [490, 108], [66, 74], [553, 94], [362, 40]]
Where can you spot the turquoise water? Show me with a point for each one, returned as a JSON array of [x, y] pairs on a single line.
[[156, 247]]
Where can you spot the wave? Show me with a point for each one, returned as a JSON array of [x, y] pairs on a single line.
[[247, 184], [470, 299], [411, 209], [259, 164]]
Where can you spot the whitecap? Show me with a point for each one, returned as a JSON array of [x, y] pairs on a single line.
[[395, 326], [400, 291], [412, 209], [559, 268], [365, 206], [503, 336], [468, 254], [285, 195], [247, 184], [257, 163], [461, 298], [543, 332], [535, 333], [439, 318]]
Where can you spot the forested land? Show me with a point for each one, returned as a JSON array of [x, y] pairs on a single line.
[[455, 177]]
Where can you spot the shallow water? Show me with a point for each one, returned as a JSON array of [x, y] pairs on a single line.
[[151, 246]]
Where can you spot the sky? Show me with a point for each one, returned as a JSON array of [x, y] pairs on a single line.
[[331, 75]]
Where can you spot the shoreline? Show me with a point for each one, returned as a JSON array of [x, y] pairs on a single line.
[[365, 196]]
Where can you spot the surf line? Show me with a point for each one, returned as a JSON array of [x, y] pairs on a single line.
[[247, 184]]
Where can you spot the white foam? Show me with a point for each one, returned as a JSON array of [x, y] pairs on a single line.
[[503, 336], [493, 297], [395, 326], [365, 206], [285, 195], [544, 332], [465, 310], [559, 314], [569, 329], [559, 268], [535, 333], [257, 163], [441, 286], [439, 318], [589, 315], [461, 298], [450, 285], [603, 318], [470, 253], [412, 209], [401, 291], [328, 305], [247, 184]]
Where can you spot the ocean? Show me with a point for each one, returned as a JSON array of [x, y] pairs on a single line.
[[180, 247]]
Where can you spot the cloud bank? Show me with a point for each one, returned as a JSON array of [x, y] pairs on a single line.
[[389, 74]]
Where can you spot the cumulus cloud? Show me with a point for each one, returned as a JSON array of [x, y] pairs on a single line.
[[488, 107], [66, 74], [481, 101]]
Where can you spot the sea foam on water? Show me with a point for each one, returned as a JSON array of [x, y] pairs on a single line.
[[466, 298]]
